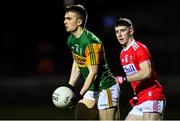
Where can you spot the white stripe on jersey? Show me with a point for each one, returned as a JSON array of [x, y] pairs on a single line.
[[135, 45]]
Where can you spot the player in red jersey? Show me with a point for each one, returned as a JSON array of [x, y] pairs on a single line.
[[149, 99]]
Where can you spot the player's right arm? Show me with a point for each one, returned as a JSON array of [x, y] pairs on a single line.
[[75, 73], [144, 72]]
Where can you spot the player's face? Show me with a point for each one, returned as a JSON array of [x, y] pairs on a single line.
[[71, 21], [123, 34]]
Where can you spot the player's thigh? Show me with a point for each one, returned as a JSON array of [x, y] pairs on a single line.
[[86, 109], [133, 117], [109, 114], [135, 114], [108, 103], [152, 116], [153, 109], [108, 98]]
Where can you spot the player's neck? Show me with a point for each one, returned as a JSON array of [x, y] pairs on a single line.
[[78, 32], [128, 43]]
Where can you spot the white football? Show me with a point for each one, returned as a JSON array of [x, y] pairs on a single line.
[[62, 97]]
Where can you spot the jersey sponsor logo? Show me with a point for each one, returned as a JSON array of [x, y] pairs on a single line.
[[129, 69], [81, 61]]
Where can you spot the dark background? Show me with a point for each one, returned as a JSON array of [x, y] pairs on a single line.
[[35, 59]]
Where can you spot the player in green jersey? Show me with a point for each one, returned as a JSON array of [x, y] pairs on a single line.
[[100, 92]]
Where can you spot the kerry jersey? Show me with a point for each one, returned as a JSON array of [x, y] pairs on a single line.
[[131, 57], [89, 50]]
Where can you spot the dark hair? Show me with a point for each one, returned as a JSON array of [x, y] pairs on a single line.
[[123, 22], [81, 10]]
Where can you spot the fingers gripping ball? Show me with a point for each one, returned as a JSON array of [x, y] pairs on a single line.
[[62, 97]]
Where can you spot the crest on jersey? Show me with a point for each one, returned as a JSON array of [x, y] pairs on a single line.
[[130, 57]]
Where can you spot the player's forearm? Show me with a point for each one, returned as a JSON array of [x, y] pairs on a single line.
[[93, 70], [87, 83], [75, 73], [140, 75], [144, 72]]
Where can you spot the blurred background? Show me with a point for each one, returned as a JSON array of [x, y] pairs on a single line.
[[35, 59]]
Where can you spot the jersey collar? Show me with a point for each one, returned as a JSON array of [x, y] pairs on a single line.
[[125, 49]]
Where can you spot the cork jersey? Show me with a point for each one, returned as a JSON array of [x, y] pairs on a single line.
[[131, 57], [89, 50]]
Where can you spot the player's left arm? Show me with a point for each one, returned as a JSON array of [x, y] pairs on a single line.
[[144, 59], [93, 52], [91, 76], [93, 70], [144, 72]]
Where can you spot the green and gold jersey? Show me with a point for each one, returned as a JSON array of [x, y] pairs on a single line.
[[89, 50]]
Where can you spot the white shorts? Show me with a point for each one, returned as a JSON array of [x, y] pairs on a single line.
[[105, 98], [148, 107]]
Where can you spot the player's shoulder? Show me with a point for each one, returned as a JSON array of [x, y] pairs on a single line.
[[138, 45], [91, 37], [70, 37]]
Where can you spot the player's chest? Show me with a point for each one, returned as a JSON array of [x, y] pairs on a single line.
[[128, 57], [79, 54], [129, 62], [77, 49]]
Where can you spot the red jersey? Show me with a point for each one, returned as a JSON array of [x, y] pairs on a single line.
[[131, 57]]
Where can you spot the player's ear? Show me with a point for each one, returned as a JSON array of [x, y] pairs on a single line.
[[131, 30], [79, 22]]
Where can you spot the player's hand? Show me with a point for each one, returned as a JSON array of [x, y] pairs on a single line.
[[120, 79], [133, 101], [74, 101], [76, 98], [69, 86]]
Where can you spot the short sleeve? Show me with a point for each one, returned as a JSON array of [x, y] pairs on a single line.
[[143, 54], [93, 54]]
